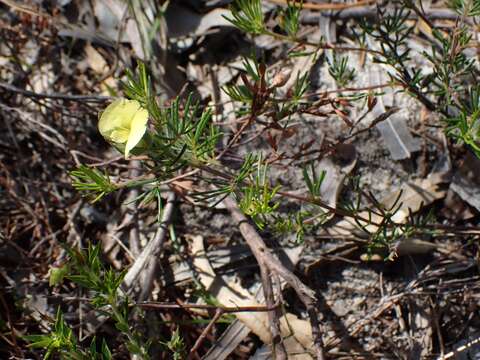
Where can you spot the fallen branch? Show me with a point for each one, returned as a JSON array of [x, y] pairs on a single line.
[[278, 348], [151, 251], [263, 255]]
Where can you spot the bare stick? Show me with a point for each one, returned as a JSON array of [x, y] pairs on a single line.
[[225, 309], [278, 348], [131, 214], [55, 96], [325, 7], [153, 248], [264, 255], [205, 332]]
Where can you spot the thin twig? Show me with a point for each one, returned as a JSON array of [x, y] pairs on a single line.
[[371, 13], [326, 7], [205, 332], [57, 96], [319, 46], [226, 309]]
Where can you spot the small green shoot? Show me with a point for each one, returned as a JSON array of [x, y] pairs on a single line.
[[338, 68], [92, 181], [247, 15]]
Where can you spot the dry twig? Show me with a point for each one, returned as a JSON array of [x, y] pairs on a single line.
[[263, 255], [153, 248]]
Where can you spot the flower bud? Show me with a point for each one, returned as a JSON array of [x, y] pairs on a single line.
[[281, 78]]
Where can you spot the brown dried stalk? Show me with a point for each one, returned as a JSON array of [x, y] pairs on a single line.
[[263, 255]]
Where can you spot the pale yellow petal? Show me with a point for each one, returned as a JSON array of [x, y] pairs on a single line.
[[119, 135], [128, 111], [117, 115], [137, 130], [107, 118]]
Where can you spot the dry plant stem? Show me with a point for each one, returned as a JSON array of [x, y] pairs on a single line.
[[349, 89], [263, 255], [205, 332], [55, 96], [371, 13], [219, 311], [420, 13], [154, 247], [325, 46], [374, 122], [355, 328], [10, 325], [326, 7], [153, 305], [331, 209], [278, 348], [235, 137], [148, 275], [434, 317], [131, 217]]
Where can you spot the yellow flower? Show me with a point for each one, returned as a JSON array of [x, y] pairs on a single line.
[[123, 123]]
